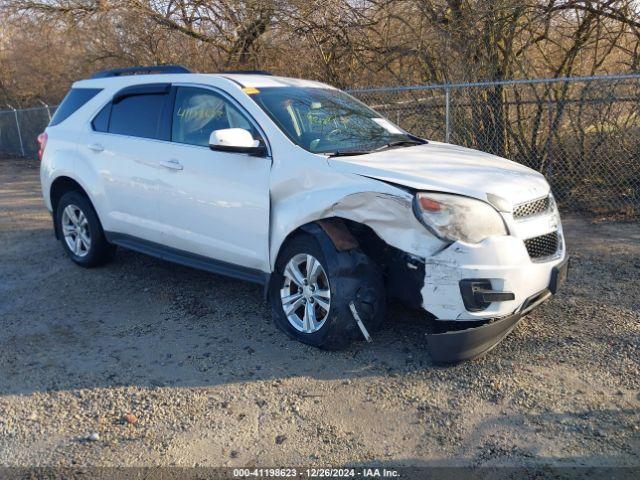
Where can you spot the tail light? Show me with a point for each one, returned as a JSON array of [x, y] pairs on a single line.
[[42, 141]]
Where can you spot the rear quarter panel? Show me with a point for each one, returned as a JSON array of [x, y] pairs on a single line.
[[59, 160], [63, 156]]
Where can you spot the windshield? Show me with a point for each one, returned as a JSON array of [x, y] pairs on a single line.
[[324, 120]]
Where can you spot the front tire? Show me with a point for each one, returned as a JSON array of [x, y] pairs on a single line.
[[312, 287], [80, 231]]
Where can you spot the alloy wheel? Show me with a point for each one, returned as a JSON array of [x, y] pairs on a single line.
[[305, 293], [75, 229]]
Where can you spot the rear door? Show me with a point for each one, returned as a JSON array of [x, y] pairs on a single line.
[[214, 204], [127, 146]]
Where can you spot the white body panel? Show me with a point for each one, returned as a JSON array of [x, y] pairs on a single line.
[[239, 209], [217, 206], [449, 168], [503, 260], [128, 171]]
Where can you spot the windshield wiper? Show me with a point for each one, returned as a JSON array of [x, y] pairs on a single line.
[[399, 143], [348, 153]]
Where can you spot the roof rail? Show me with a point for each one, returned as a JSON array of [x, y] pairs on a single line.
[[247, 72], [118, 72]]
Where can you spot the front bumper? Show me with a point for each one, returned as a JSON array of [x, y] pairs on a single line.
[[503, 260], [456, 346]]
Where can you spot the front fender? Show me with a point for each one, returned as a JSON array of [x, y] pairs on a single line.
[[386, 209]]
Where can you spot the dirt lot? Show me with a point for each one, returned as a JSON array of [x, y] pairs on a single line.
[[210, 380]]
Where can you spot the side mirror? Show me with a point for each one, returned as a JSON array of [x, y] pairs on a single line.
[[236, 140]]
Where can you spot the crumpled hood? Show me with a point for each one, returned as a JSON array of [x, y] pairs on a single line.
[[448, 168]]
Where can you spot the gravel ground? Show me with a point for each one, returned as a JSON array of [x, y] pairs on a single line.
[[142, 362]]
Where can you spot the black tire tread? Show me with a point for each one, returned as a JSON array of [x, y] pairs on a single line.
[[352, 277], [101, 250]]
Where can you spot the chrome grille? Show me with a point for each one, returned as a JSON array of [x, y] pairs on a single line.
[[542, 246], [530, 209]]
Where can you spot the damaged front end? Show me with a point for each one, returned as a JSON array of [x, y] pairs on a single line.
[[458, 343], [477, 291], [477, 283]]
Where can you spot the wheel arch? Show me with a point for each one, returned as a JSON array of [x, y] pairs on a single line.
[[328, 231], [61, 185], [344, 233]]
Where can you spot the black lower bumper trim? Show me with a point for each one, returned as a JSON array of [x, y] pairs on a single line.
[[453, 347]]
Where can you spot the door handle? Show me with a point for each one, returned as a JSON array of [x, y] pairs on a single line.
[[172, 164], [96, 147]]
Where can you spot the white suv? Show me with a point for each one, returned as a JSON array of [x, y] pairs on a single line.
[[296, 185]]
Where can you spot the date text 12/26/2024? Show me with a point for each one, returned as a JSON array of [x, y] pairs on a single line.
[[364, 472]]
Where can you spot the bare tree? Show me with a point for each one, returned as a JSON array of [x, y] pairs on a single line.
[[343, 42]]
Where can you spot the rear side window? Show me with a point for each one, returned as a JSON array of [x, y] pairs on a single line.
[[100, 122], [76, 98], [137, 115]]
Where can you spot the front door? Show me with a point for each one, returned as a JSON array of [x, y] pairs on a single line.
[[214, 204]]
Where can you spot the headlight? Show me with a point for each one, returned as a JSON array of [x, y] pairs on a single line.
[[452, 217]]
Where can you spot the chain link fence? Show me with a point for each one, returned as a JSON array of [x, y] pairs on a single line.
[[582, 133], [19, 130]]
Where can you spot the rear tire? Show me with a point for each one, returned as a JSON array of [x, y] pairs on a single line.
[[80, 231], [351, 276]]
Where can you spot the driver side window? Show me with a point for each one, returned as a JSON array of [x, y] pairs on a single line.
[[197, 112]]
